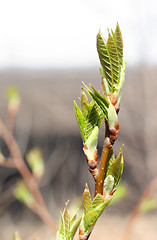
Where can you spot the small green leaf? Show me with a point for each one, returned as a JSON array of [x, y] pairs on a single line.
[[91, 217], [68, 227], [97, 200], [110, 160], [112, 116], [74, 227], [87, 202], [91, 144], [116, 169], [122, 78], [93, 119], [84, 103], [66, 218], [100, 100], [81, 121], [108, 184], [110, 51]]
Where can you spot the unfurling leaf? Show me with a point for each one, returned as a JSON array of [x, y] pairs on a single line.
[[108, 185], [110, 52], [91, 144], [112, 116], [81, 121], [102, 102], [90, 218], [66, 218], [68, 227], [93, 210], [116, 168], [84, 103], [89, 122], [87, 202]]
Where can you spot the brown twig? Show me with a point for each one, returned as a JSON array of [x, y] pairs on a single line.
[[99, 180], [136, 212], [27, 176], [100, 177]]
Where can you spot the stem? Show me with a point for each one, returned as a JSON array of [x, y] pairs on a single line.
[[136, 212], [99, 180], [27, 176]]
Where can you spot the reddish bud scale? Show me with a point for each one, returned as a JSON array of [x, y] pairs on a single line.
[[117, 107], [113, 98], [85, 146]]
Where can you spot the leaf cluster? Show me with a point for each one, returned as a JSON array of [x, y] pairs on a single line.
[[68, 226]]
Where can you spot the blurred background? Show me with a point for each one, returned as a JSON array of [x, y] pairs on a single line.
[[47, 48]]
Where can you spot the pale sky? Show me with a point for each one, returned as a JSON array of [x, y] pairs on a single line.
[[62, 33]]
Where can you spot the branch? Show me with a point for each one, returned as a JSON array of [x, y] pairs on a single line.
[[103, 161], [100, 177], [27, 176], [136, 212]]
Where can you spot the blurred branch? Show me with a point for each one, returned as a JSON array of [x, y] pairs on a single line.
[[14, 100], [18, 160], [136, 212], [7, 162]]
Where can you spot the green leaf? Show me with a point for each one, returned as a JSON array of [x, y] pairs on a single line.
[[68, 227], [84, 103], [91, 144], [91, 217], [74, 227], [110, 51], [108, 185], [66, 218], [110, 160], [114, 62], [116, 169], [81, 121], [122, 78], [117, 36], [112, 116], [87, 202], [93, 119], [97, 200], [100, 100]]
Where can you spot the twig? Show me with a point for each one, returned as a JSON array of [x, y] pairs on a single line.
[[28, 178], [11, 118], [103, 161], [136, 212], [7, 162], [100, 177]]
